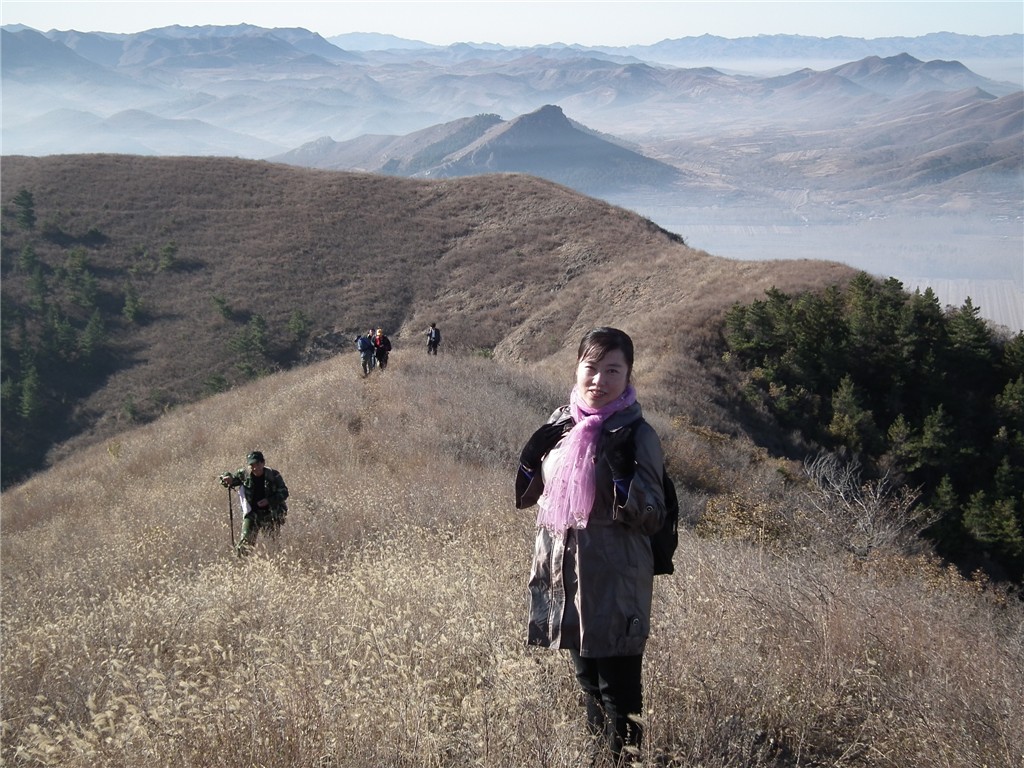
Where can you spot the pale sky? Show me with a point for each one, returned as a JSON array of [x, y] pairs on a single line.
[[526, 22]]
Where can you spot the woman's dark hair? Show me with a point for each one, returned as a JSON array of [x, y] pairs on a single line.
[[600, 341]]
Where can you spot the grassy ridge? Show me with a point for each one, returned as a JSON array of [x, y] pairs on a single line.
[[385, 627], [510, 264]]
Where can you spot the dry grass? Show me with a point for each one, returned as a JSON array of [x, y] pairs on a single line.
[[385, 627]]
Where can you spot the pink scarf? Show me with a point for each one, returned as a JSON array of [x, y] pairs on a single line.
[[567, 499]]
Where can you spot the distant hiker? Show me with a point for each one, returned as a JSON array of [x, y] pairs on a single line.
[[595, 471], [382, 348], [373, 358], [367, 351], [261, 493], [433, 339]]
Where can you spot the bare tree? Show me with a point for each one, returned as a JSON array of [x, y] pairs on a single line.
[[864, 516]]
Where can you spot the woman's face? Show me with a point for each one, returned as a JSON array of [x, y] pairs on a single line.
[[599, 382]]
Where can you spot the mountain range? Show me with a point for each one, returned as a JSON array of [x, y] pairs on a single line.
[[763, 165], [543, 143], [687, 51], [286, 87]]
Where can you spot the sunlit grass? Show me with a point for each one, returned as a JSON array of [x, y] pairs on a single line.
[[386, 625]]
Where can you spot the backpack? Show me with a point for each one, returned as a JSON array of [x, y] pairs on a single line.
[[665, 540], [363, 344], [435, 335]]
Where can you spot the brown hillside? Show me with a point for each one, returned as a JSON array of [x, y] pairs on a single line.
[[508, 264]]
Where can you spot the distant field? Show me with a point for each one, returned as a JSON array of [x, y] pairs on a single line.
[[956, 256], [1001, 300]]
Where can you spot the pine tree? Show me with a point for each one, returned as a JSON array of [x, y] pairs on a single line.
[[1013, 356], [971, 355], [298, 325], [851, 425], [922, 341], [934, 448], [944, 501], [38, 290], [58, 334], [250, 347], [901, 454], [132, 304], [995, 524], [168, 254], [26, 206], [29, 403], [820, 338], [27, 259], [92, 337], [223, 308]]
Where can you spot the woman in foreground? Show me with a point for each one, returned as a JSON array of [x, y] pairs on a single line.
[[594, 470]]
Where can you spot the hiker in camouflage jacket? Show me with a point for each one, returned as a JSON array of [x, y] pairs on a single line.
[[262, 493]]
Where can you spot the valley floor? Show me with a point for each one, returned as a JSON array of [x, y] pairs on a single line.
[[957, 257]]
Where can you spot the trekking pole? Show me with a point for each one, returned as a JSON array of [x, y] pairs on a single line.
[[231, 519]]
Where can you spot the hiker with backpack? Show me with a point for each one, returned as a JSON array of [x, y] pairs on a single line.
[[367, 352], [595, 470], [433, 339], [381, 348], [261, 493]]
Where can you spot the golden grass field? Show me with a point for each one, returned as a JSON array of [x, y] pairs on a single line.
[[386, 625]]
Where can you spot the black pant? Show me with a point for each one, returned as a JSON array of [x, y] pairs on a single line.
[[614, 690]]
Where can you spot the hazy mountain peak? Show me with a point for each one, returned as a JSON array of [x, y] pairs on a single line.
[[206, 30], [548, 116], [542, 143], [374, 41]]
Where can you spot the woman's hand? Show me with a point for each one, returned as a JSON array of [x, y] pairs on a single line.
[[621, 457], [542, 441]]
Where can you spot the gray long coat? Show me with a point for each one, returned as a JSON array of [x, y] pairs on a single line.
[[591, 590]]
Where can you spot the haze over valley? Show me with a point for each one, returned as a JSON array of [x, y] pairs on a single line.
[[893, 156]]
